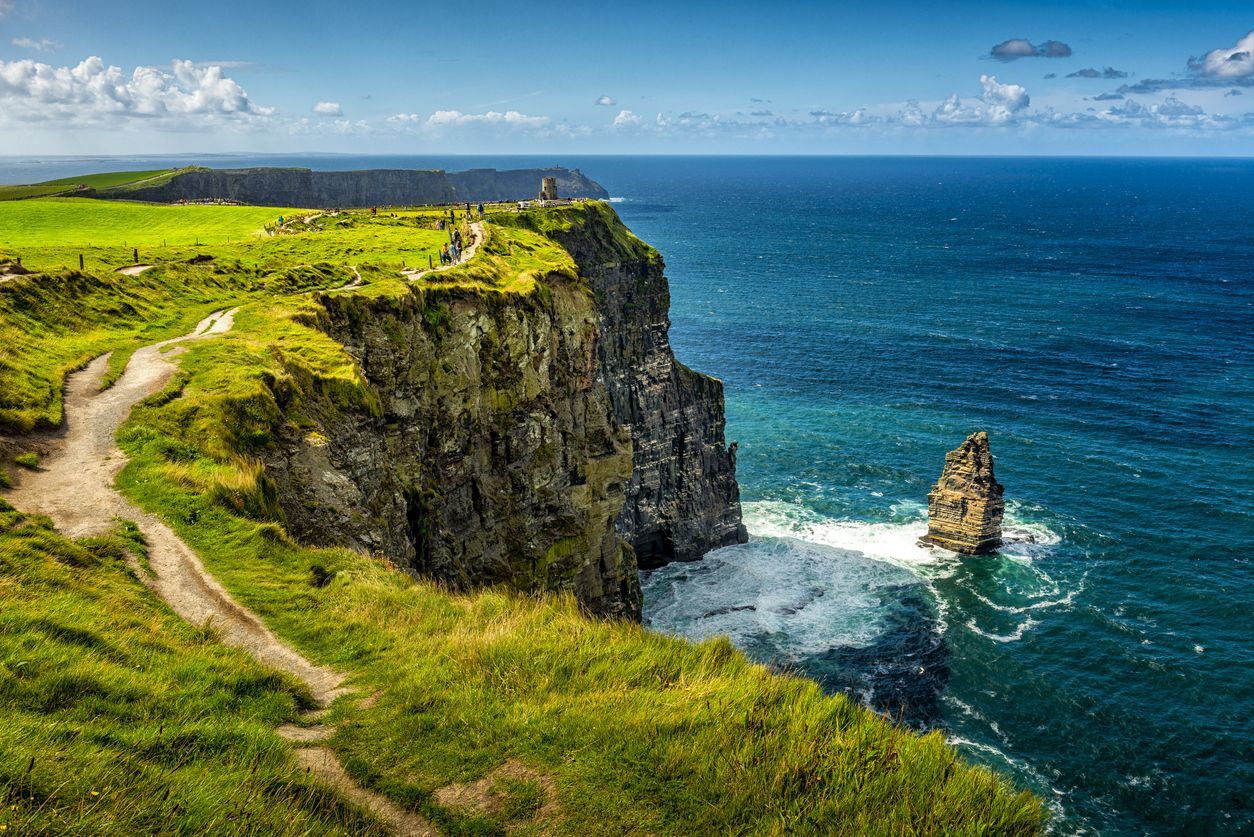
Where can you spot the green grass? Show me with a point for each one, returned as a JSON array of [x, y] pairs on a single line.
[[30, 460], [84, 222], [641, 733], [115, 182], [35, 190], [121, 719], [114, 179]]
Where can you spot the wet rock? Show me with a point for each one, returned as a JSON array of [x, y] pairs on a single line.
[[964, 509]]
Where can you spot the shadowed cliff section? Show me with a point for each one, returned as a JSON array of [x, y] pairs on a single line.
[[296, 187], [683, 499]]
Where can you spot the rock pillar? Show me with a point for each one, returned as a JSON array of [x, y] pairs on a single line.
[[965, 508]]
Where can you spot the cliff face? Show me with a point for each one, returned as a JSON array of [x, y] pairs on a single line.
[[683, 499], [374, 187], [530, 440], [964, 510]]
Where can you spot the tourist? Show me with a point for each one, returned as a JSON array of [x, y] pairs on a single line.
[[457, 237], [481, 211], [456, 254]]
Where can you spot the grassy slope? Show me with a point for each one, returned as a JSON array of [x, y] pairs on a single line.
[[118, 181], [643, 734], [110, 180], [121, 719]]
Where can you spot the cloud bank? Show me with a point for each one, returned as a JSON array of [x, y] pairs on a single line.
[[328, 109], [95, 93]]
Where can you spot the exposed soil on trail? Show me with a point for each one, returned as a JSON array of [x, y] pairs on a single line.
[[467, 254], [134, 269], [74, 487]]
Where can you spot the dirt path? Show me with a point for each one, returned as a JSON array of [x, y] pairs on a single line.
[[414, 273], [134, 269], [74, 486]]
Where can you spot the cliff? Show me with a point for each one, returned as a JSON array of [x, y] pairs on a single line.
[[544, 440], [964, 509], [374, 187]]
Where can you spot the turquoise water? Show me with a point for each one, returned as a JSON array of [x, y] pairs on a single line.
[[1096, 318]]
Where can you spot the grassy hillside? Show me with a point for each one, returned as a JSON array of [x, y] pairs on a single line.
[[117, 181], [121, 719], [636, 733]]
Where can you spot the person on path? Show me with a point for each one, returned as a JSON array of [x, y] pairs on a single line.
[[481, 211], [456, 252], [444, 257], [457, 237]]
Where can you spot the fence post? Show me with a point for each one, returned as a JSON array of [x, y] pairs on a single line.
[[135, 255], [80, 261]]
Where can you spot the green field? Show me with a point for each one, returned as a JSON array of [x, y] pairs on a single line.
[[640, 734], [84, 222], [109, 180]]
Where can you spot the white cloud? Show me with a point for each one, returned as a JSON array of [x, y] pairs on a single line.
[[512, 118], [328, 109], [606, 100], [999, 104], [404, 118], [627, 119], [95, 93], [42, 45], [1228, 62], [1003, 101]]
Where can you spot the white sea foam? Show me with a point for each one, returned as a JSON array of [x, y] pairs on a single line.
[[896, 543], [616, 200], [1016, 635]]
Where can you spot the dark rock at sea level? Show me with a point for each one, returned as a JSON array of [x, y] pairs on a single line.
[[964, 509]]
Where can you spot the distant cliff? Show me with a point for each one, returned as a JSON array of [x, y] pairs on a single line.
[[373, 187]]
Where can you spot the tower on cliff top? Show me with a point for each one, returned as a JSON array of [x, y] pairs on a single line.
[[548, 188], [965, 508]]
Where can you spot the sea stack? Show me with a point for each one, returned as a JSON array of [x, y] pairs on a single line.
[[965, 508]]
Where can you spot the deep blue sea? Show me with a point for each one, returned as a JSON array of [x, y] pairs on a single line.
[[1096, 318]]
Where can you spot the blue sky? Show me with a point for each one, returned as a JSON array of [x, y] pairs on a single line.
[[487, 77]]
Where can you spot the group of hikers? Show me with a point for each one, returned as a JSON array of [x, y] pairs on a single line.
[[451, 253]]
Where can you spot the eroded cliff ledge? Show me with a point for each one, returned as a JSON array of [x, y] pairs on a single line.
[[545, 440]]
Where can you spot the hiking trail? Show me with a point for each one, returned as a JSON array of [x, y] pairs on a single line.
[[75, 487]]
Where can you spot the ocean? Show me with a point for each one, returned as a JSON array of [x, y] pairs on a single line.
[[1096, 318]]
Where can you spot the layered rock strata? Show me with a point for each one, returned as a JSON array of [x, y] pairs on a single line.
[[374, 187], [964, 509], [539, 441]]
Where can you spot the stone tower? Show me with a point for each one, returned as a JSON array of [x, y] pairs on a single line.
[[965, 508], [548, 189]]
